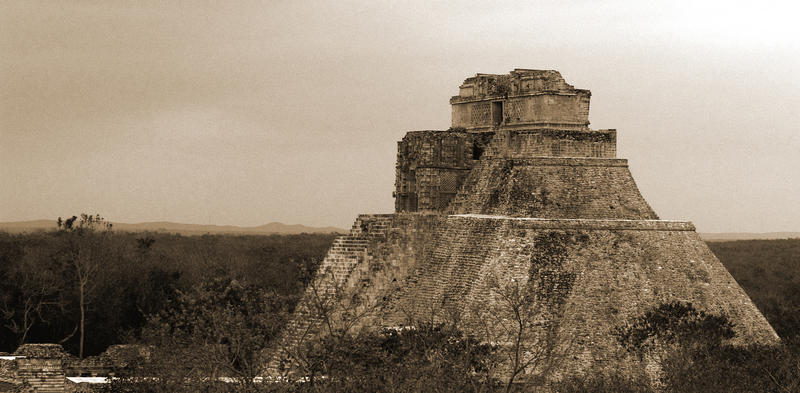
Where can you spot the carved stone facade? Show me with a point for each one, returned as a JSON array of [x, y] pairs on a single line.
[[520, 192], [525, 114], [523, 98], [432, 165]]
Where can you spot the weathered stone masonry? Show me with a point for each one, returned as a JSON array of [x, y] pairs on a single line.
[[432, 165], [520, 189], [47, 368], [523, 98]]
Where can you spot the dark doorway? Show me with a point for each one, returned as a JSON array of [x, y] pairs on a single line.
[[497, 112], [477, 150]]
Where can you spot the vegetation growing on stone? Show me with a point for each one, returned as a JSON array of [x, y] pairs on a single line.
[[765, 269], [674, 323]]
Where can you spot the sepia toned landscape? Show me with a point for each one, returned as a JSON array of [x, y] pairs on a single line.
[[163, 275], [516, 240], [520, 256]]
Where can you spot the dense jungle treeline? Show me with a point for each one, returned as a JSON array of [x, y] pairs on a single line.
[[211, 304], [130, 277], [769, 271]]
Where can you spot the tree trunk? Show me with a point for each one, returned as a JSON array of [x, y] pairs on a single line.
[[83, 317], [517, 344]]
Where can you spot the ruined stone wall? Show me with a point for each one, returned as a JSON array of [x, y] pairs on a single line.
[[552, 188], [40, 367], [534, 98], [47, 368], [528, 143], [517, 82], [8, 372], [565, 111], [42, 375], [431, 165]]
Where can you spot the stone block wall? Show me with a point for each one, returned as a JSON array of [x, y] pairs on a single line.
[[47, 368], [562, 111], [534, 98], [599, 274], [517, 82], [40, 367], [8, 369], [548, 187], [431, 165], [529, 143], [42, 375]]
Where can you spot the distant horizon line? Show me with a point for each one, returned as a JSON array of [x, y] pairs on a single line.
[[281, 227], [172, 226], [158, 221]]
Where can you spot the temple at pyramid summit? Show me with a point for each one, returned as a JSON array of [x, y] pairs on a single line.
[[519, 197]]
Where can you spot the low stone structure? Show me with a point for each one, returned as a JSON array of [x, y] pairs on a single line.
[[519, 192], [35, 368], [47, 368]]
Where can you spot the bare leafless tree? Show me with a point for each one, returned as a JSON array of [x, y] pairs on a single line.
[[38, 294], [521, 314], [329, 311], [85, 251]]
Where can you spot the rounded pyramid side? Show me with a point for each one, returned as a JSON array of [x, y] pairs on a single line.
[[593, 277], [552, 187]]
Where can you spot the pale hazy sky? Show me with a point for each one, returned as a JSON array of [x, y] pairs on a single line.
[[247, 112]]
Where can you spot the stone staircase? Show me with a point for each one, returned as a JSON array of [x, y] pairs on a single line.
[[372, 225], [347, 258]]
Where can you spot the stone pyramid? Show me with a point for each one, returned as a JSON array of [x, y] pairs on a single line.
[[519, 193]]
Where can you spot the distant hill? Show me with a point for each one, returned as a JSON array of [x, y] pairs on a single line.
[[729, 236], [172, 227], [277, 227]]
